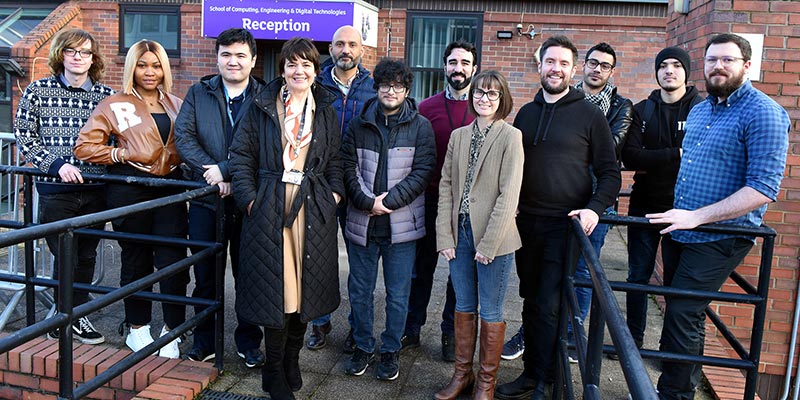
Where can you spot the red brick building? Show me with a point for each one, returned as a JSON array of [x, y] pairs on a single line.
[[417, 31]]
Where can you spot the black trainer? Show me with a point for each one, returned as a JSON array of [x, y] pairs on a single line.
[[349, 346], [389, 368], [198, 354], [359, 362], [409, 342], [82, 331], [317, 339], [253, 358]]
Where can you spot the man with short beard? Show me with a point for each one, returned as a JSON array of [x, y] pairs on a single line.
[[353, 86], [736, 142], [653, 150], [447, 111], [559, 151]]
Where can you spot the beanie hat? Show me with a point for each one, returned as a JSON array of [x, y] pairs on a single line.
[[676, 53]]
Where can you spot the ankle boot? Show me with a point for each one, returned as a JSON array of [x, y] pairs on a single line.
[[492, 336], [463, 377], [273, 377], [291, 360]]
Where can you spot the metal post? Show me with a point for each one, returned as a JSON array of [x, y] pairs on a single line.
[[68, 259], [30, 263], [594, 351], [759, 316], [219, 273]]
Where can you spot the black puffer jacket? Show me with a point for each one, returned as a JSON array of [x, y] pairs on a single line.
[[653, 149], [257, 169], [200, 129]]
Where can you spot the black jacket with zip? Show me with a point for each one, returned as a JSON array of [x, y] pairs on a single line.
[[653, 149], [561, 141]]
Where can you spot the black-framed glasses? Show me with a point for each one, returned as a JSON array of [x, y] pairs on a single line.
[[400, 89], [604, 66], [727, 61], [83, 53], [490, 94]]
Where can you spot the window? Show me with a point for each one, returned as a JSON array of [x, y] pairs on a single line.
[[5, 102], [428, 36], [161, 23]]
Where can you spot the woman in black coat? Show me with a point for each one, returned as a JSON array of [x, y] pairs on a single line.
[[287, 178]]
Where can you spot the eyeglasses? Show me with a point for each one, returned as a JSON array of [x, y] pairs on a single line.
[[604, 66], [83, 53], [399, 89], [727, 61], [492, 95]]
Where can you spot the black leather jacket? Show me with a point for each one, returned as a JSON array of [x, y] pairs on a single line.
[[619, 116]]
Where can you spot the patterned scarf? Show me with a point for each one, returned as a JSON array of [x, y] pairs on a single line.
[[297, 127], [602, 99]]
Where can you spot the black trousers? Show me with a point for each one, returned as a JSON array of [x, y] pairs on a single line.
[[138, 259], [701, 266], [55, 207], [540, 265], [422, 281], [203, 226]]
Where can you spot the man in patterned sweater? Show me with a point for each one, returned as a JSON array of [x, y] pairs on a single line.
[[50, 115]]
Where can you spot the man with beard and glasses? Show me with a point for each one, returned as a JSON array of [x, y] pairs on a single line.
[[733, 160], [447, 111], [389, 155], [556, 184], [353, 86], [653, 150]]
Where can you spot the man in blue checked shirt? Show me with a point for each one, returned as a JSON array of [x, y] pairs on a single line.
[[734, 154]]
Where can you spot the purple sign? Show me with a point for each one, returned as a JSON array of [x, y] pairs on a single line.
[[280, 20]]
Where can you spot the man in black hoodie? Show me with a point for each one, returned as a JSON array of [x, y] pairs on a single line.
[[653, 150], [556, 183]]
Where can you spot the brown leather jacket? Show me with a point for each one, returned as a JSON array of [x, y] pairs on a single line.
[[125, 119]]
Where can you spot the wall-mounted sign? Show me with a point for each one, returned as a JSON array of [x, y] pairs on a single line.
[[757, 45], [505, 35], [283, 20]]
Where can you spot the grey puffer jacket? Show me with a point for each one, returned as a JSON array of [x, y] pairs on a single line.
[[405, 163]]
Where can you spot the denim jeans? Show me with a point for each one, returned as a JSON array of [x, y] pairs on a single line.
[[476, 283], [701, 266], [58, 206], [203, 226], [398, 263], [422, 281], [584, 294]]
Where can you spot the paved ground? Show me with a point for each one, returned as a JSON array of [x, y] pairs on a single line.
[[422, 372]]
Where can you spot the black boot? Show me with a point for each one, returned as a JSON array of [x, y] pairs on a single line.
[[291, 360], [273, 377]]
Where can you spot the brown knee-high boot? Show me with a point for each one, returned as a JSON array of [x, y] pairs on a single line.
[[492, 335], [466, 328]]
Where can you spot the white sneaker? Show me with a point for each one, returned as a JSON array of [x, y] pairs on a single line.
[[171, 350], [138, 338]]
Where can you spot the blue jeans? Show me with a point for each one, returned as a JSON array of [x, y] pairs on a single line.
[[398, 263], [584, 294], [477, 283]]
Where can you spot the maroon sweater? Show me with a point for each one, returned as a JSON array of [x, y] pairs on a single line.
[[435, 110]]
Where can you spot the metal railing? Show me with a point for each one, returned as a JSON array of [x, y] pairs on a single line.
[[26, 232], [605, 308]]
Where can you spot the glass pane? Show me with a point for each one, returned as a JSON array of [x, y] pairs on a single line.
[[429, 36], [162, 28]]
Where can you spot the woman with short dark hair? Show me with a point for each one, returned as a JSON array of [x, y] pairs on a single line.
[[287, 179]]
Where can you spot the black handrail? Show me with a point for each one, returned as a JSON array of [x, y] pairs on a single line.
[[67, 229], [604, 306]]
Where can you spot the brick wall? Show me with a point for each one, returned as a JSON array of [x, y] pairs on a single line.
[[779, 21]]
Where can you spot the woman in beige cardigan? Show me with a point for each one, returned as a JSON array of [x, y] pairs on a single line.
[[475, 229]]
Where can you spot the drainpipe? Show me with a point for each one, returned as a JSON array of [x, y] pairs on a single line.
[[792, 345]]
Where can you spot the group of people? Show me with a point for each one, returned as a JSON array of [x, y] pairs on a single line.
[[335, 146]]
